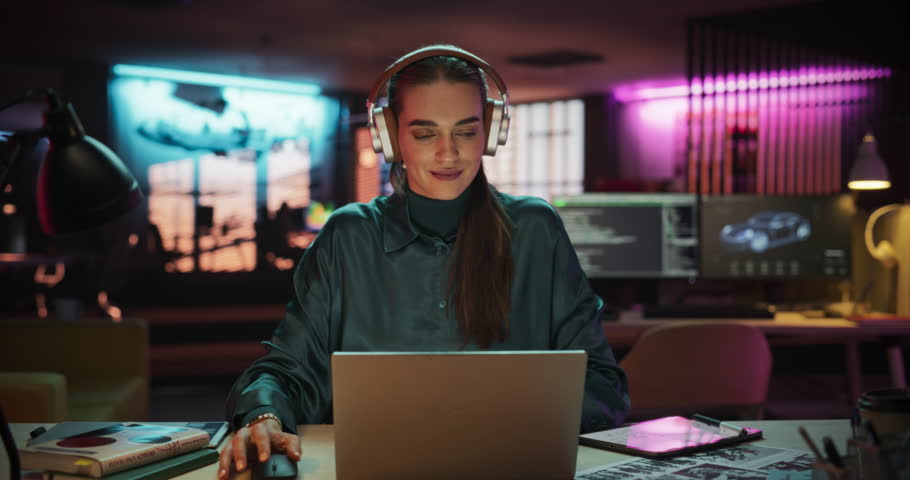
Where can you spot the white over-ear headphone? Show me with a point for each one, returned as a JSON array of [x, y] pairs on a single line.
[[384, 125], [883, 251]]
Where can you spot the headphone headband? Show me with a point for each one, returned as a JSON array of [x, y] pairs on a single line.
[[432, 51]]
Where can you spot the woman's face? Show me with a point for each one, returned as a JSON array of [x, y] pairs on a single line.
[[441, 137]]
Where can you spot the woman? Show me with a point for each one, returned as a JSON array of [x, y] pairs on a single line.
[[444, 263]]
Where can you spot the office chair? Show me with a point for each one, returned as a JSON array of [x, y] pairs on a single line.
[[682, 368]]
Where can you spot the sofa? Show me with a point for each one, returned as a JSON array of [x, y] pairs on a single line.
[[86, 370]]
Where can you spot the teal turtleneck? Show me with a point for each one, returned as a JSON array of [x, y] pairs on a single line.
[[437, 217]]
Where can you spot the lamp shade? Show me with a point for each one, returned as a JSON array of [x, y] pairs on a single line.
[[82, 183], [869, 171]]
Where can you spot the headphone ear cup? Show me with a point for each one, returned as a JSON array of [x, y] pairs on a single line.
[[492, 116], [504, 128], [391, 122], [375, 137], [385, 134]]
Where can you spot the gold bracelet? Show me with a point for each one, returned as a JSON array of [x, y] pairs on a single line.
[[261, 418]]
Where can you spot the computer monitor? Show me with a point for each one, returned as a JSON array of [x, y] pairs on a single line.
[[752, 236], [622, 235]]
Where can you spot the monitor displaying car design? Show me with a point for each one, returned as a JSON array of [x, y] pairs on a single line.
[[775, 236], [764, 231]]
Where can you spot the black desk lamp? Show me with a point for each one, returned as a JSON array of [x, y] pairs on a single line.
[[82, 184]]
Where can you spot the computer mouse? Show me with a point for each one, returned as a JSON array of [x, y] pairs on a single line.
[[277, 467]]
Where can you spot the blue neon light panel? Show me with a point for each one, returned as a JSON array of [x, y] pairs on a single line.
[[232, 171]]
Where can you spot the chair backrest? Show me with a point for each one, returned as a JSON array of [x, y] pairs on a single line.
[[698, 366]]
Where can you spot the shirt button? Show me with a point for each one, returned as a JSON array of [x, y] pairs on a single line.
[[442, 304]]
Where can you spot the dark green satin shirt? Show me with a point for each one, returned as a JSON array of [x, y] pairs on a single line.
[[371, 281]]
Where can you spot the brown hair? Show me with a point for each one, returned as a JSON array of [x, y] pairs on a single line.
[[481, 266]]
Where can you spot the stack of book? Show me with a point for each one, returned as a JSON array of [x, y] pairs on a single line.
[[136, 451]]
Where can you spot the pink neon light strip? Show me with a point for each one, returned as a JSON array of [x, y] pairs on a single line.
[[756, 81]]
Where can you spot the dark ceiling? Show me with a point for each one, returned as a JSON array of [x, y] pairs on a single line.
[[874, 31], [346, 44]]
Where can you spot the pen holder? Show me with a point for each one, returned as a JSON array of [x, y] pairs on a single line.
[[868, 462], [826, 471], [887, 409]]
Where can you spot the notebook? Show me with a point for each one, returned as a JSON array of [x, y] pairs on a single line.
[[457, 415], [670, 436], [216, 430], [159, 470]]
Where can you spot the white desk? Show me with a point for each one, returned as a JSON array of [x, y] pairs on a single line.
[[318, 460], [792, 328]]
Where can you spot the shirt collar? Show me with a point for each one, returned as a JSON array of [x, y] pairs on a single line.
[[397, 230]]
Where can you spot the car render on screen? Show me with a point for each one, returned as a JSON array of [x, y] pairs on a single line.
[[765, 230]]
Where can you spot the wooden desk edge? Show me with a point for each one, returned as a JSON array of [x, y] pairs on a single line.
[[318, 462]]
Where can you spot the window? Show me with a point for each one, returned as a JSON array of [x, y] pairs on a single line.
[[544, 155]]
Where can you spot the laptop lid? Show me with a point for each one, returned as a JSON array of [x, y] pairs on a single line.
[[457, 414]]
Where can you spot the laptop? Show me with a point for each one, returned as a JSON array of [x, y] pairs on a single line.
[[457, 415]]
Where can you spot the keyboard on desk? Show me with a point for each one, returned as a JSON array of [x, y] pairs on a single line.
[[707, 312]]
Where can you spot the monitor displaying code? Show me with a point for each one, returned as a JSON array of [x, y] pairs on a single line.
[[616, 235]]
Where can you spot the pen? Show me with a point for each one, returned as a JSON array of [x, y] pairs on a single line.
[[833, 456], [818, 455], [717, 423]]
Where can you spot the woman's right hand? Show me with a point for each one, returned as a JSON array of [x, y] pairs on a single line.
[[259, 440]]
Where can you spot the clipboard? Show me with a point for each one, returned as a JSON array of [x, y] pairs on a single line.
[[670, 436]]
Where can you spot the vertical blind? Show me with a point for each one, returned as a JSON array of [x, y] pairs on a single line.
[[770, 117]]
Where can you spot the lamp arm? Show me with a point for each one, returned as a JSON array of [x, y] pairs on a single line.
[[16, 101], [883, 252], [9, 444], [7, 163], [43, 92], [53, 99], [17, 140]]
